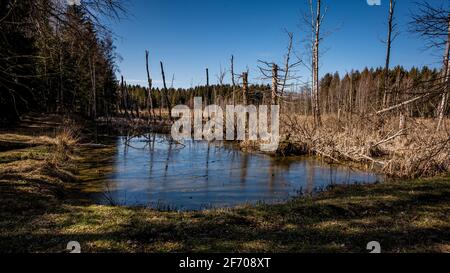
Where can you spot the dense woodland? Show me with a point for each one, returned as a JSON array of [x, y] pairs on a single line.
[[56, 58]]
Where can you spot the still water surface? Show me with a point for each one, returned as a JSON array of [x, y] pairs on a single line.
[[193, 175]]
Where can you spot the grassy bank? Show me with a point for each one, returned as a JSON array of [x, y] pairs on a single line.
[[40, 211]]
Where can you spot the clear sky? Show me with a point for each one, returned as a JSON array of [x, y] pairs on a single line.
[[190, 35]]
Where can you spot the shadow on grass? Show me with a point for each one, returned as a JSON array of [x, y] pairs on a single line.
[[402, 216]]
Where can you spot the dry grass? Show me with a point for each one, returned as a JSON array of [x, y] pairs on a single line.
[[41, 165], [416, 150]]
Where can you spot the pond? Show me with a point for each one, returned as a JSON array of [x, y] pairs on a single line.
[[154, 171]]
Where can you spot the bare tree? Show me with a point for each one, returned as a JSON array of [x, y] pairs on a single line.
[[244, 87], [221, 76], [390, 37], [274, 94], [232, 79], [220, 79], [446, 79], [317, 20], [271, 70], [165, 92], [208, 89], [433, 24], [149, 100]]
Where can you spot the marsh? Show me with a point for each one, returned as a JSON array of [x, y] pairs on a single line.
[[154, 171]]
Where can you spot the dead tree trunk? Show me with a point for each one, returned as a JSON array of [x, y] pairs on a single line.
[[315, 66], [274, 84], [244, 87], [403, 104], [161, 103], [232, 79], [388, 50], [166, 91], [149, 101], [207, 88], [446, 71]]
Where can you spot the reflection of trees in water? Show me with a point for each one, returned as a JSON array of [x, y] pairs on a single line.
[[152, 154], [244, 168], [148, 142], [207, 162], [169, 153], [310, 175], [199, 165], [332, 181], [206, 157], [271, 175]]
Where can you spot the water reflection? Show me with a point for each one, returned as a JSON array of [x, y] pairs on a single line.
[[155, 171]]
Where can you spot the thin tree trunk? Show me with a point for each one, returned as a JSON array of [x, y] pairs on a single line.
[[232, 79], [446, 71], [207, 88], [317, 116], [244, 87], [166, 91], [403, 104], [388, 51], [161, 103], [151, 111], [274, 84]]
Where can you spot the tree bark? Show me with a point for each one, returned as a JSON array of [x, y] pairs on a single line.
[[244, 87], [446, 71], [316, 98], [388, 51], [274, 84], [149, 102], [209, 96], [403, 104], [166, 91], [232, 79]]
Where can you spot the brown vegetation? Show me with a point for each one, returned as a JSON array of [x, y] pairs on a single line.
[[416, 150]]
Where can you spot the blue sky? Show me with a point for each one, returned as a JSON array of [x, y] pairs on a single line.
[[190, 35]]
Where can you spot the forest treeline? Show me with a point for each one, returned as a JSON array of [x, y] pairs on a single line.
[[56, 57], [356, 92]]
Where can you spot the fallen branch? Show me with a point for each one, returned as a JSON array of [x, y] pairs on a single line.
[[399, 133], [402, 104]]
